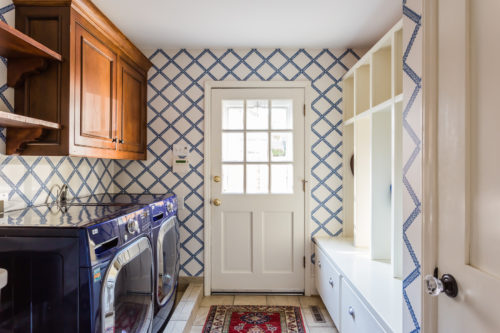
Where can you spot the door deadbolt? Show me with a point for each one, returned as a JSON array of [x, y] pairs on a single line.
[[217, 202], [217, 179]]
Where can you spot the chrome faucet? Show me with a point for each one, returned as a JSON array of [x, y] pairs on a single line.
[[63, 194]]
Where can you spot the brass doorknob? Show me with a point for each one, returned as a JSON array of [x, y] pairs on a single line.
[[217, 179], [217, 202]]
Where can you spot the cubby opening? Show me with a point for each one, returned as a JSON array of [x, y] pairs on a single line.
[[362, 184], [348, 98], [362, 89], [381, 172], [348, 180], [398, 62], [381, 76]]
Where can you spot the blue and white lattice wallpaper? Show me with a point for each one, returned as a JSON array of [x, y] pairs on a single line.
[[29, 179], [176, 115], [412, 165]]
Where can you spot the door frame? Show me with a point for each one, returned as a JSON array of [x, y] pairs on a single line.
[[207, 209], [430, 204]]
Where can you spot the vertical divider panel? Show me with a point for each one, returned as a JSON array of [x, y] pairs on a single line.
[[348, 181], [381, 184], [362, 182], [397, 190]]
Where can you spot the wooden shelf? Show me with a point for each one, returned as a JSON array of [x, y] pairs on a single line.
[[15, 44], [25, 55], [22, 130], [12, 120]]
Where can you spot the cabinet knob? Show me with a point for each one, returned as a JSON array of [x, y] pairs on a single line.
[[331, 282], [351, 313], [113, 140], [120, 141]]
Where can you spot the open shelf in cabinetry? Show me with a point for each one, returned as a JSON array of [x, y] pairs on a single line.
[[372, 101], [25, 55], [22, 129]]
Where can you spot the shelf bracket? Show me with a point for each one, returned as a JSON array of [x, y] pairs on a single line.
[[17, 138], [18, 69]]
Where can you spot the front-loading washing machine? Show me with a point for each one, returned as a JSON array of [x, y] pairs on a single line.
[[165, 238]]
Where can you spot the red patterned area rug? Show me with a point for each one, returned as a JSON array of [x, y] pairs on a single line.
[[254, 319]]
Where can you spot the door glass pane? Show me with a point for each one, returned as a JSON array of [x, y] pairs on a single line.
[[257, 114], [281, 114], [257, 178], [281, 147], [232, 178], [232, 115], [257, 147], [232, 147], [281, 178]]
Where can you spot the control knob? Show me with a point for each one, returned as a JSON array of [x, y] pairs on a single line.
[[132, 226], [170, 207]]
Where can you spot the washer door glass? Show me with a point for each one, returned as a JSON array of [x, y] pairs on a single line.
[[167, 260], [127, 297]]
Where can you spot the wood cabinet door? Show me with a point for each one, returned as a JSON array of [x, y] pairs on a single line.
[[131, 111], [95, 95]]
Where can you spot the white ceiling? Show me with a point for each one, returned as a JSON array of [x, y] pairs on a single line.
[[169, 24]]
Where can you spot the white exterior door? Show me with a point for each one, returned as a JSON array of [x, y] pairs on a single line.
[[257, 196], [469, 161]]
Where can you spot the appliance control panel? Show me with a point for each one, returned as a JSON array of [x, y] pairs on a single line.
[[171, 206], [134, 224]]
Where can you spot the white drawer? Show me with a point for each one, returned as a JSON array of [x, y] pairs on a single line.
[[355, 316], [328, 285]]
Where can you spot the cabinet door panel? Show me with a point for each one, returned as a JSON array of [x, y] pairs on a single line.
[[131, 109], [95, 92]]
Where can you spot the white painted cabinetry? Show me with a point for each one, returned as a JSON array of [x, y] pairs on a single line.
[[360, 294], [355, 316], [328, 284]]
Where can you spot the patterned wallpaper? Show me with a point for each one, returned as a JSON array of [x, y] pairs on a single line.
[[28, 179], [175, 114], [412, 159]]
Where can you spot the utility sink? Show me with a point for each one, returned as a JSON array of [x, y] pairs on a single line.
[[3, 278]]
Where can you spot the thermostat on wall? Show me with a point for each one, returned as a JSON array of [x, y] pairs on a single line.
[[180, 163]]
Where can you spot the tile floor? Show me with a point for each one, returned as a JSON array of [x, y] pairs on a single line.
[[302, 301]]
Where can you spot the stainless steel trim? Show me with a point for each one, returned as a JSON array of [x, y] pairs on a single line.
[[164, 228], [123, 257]]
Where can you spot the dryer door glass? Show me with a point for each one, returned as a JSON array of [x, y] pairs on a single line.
[[127, 304], [168, 263]]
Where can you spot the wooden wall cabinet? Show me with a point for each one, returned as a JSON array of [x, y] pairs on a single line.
[[97, 93]]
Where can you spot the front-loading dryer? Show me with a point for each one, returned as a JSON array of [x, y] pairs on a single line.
[[165, 238]]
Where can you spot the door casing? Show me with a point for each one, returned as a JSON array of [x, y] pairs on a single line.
[[207, 234]]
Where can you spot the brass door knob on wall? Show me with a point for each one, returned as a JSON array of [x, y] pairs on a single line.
[[217, 202], [217, 179]]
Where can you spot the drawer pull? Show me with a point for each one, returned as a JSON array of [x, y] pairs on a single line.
[[319, 264], [331, 282], [351, 312]]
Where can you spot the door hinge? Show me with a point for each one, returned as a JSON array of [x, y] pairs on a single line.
[[304, 183], [304, 261], [304, 109]]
